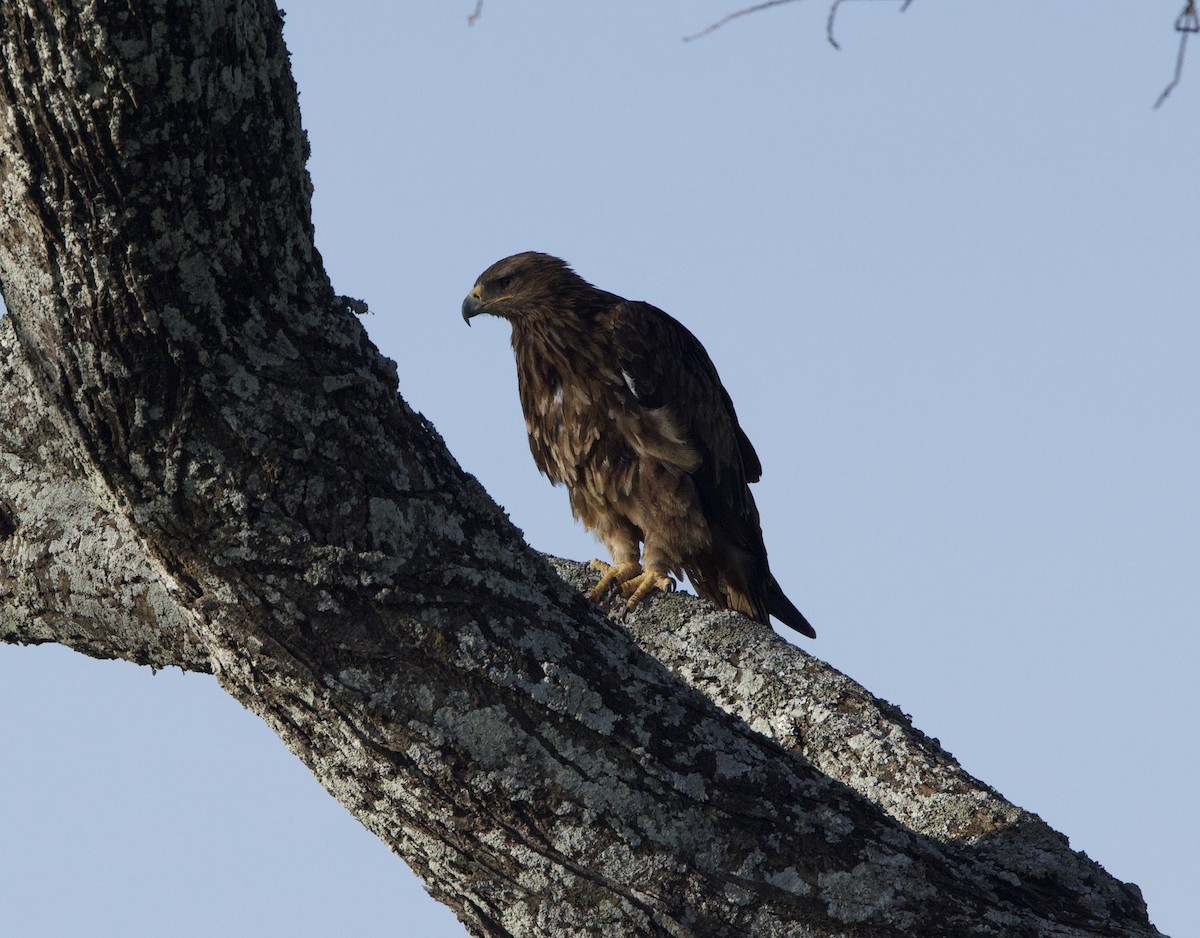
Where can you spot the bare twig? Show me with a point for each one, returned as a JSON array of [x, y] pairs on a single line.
[[474, 15], [735, 15], [833, 8], [833, 14], [1187, 23]]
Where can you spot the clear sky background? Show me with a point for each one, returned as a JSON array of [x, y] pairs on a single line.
[[948, 276]]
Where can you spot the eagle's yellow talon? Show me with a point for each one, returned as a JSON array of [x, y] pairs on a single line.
[[613, 576], [639, 587]]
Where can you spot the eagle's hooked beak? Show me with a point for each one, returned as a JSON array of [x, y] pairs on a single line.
[[473, 304]]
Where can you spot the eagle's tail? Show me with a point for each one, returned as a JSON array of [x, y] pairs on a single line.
[[782, 609]]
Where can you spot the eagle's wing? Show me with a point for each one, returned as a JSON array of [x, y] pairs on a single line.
[[665, 366]]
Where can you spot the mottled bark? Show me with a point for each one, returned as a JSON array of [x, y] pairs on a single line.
[[204, 462]]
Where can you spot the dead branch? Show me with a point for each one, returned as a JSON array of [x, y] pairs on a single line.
[[733, 16], [833, 9], [1187, 23]]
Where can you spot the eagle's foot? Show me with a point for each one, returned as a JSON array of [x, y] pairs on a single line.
[[612, 576], [637, 588]]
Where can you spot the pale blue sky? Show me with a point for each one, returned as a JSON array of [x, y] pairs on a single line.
[[947, 275]]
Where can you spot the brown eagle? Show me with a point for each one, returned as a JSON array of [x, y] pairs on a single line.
[[623, 405]]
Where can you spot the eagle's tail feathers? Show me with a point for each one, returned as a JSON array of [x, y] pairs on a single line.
[[782, 609]]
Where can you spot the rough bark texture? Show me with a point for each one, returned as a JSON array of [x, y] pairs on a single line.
[[205, 463]]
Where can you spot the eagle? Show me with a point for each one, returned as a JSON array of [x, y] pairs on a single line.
[[624, 407]]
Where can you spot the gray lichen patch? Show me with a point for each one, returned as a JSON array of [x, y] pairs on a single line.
[[567, 692], [871, 889]]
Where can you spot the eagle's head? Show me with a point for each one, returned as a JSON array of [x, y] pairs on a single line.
[[523, 286]]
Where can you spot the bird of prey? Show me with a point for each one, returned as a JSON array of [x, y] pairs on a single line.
[[624, 407]]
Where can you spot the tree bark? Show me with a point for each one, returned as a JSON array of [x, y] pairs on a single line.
[[204, 462]]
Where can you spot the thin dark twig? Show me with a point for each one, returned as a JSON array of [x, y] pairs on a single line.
[[833, 14], [829, 24], [735, 15], [1187, 23], [472, 17], [1178, 71]]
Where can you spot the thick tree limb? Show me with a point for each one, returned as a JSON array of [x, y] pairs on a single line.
[[856, 739], [205, 462], [71, 568]]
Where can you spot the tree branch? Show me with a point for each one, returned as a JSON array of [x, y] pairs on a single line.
[[191, 403], [71, 568], [757, 7], [1188, 22], [736, 14], [858, 740]]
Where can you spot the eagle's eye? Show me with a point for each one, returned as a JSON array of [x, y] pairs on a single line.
[[503, 283]]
